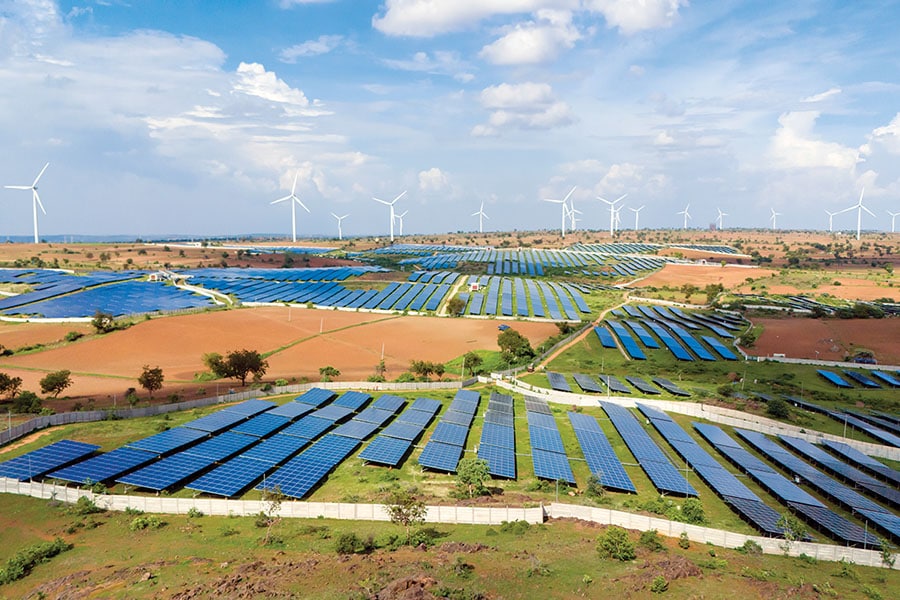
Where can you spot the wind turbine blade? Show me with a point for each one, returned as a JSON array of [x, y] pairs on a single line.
[[17, 187], [398, 197], [485, 216], [380, 200], [861, 193], [38, 200], [572, 191], [280, 200], [620, 198], [867, 210], [39, 175], [475, 214], [403, 214], [545, 200], [294, 187], [297, 200]]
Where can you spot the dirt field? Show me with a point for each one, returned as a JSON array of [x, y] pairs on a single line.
[[18, 335], [702, 275], [350, 341], [850, 289], [832, 338]]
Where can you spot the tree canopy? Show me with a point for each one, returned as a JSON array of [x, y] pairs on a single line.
[[54, 383], [151, 379], [514, 347], [237, 364], [9, 386], [471, 473]]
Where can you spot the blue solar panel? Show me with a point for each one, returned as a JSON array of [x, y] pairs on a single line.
[[887, 521], [261, 425], [641, 385], [43, 460], [354, 400], [379, 416], [537, 405], [600, 457], [231, 478], [105, 467], [631, 348], [552, 465], [864, 461], [248, 408], [758, 513], [498, 435], [558, 382], [316, 397], [546, 439], [167, 472], [216, 422], [403, 431], [169, 440], [834, 378], [386, 450], [450, 433], [333, 413], [839, 527], [720, 348], [415, 417], [276, 449], [426, 404], [468, 396], [715, 436], [499, 418], [302, 473], [389, 402], [670, 387], [463, 419], [359, 430], [541, 420], [501, 461], [587, 383], [221, 446], [615, 384], [606, 338], [291, 410], [309, 427], [440, 457]]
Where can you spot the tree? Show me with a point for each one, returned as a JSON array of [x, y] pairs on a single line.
[[794, 530], [56, 382], [471, 473], [26, 402], [689, 289], [406, 510], [455, 306], [712, 290], [514, 346], [9, 386], [151, 379], [472, 361], [778, 408], [237, 364], [328, 373], [272, 515], [615, 544], [103, 322]]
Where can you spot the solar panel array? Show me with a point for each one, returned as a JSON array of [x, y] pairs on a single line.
[[443, 454], [615, 384], [305, 471], [600, 457], [169, 440], [631, 348], [605, 337], [864, 461], [653, 461], [105, 467], [641, 385], [558, 382], [587, 383], [671, 387], [547, 451], [44, 460], [784, 489], [878, 433], [834, 379], [316, 397], [498, 437]]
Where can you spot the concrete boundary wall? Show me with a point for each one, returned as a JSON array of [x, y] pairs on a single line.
[[718, 537], [715, 414]]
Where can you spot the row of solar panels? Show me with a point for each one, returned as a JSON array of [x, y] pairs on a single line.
[[508, 297], [882, 428], [447, 441], [530, 261], [614, 385], [282, 275], [878, 379], [498, 437]]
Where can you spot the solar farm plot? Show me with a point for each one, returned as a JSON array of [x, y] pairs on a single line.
[[170, 440], [44, 460], [587, 383], [864, 461], [105, 467], [451, 433], [558, 382], [601, 459], [304, 472]]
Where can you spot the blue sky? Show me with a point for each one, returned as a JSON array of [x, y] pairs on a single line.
[[191, 117]]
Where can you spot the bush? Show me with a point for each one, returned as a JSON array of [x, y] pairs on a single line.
[[194, 513], [750, 547], [778, 408], [84, 506], [21, 564], [74, 335], [650, 540], [350, 543], [659, 585], [615, 544], [145, 522], [683, 542], [515, 527], [692, 512]]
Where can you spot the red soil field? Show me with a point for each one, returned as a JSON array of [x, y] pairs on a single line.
[[350, 341], [702, 275], [833, 338], [850, 289], [17, 335]]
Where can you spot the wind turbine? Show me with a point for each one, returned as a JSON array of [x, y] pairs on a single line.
[[400, 220], [721, 218], [565, 209], [686, 214], [572, 212], [774, 215], [831, 218], [339, 219], [35, 199], [612, 212], [859, 208], [637, 214], [294, 200], [390, 204], [481, 217], [893, 217], [618, 219]]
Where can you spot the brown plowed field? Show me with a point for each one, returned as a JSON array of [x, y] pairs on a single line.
[[350, 341], [850, 289], [702, 275], [17, 335], [833, 338]]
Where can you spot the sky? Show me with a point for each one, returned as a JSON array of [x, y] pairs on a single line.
[[191, 117]]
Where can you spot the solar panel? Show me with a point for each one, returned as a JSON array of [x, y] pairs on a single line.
[[784, 488], [402, 431], [615, 384], [44, 460], [552, 465], [501, 461], [426, 404], [864, 461], [714, 435], [499, 407], [379, 416], [834, 379], [354, 400], [261, 425], [499, 418], [641, 385], [168, 472], [498, 435], [558, 382], [759, 514], [389, 402], [221, 446], [359, 430], [316, 397], [248, 408], [546, 439], [468, 396], [537, 405], [386, 450], [302, 473], [587, 383], [231, 478], [600, 457], [450, 433], [440, 457], [887, 521], [169, 440], [291, 410], [276, 449], [309, 427], [458, 418], [105, 467], [839, 527], [415, 417], [333, 413], [216, 422], [541, 420], [463, 406], [670, 387]]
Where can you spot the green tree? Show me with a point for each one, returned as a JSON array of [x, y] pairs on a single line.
[[9, 386], [615, 544], [689, 289], [406, 510], [328, 373], [692, 511], [712, 290], [514, 346], [793, 530], [26, 402], [471, 473], [778, 408], [103, 322], [54, 383], [237, 364], [455, 306], [472, 361], [151, 379]]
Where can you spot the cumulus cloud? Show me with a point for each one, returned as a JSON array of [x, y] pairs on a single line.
[[663, 139], [322, 45], [433, 180], [438, 63], [823, 96], [794, 145], [535, 41], [523, 106], [887, 136], [254, 80], [632, 16]]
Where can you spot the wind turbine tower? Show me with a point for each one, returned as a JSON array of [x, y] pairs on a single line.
[[612, 212], [294, 200], [391, 205], [774, 215], [35, 199], [893, 217], [481, 217], [859, 208], [720, 220], [565, 210], [339, 221], [637, 214], [400, 220], [686, 214]]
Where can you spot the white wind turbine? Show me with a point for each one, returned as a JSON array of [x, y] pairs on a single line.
[[391, 205], [831, 218], [773, 217], [339, 220], [573, 219], [721, 218], [686, 214], [35, 199], [481, 217], [400, 220], [859, 208], [618, 218], [637, 214], [294, 200], [565, 210], [893, 217], [612, 212]]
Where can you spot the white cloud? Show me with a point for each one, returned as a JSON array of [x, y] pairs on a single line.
[[663, 139], [631, 16], [887, 136], [426, 18], [254, 80], [439, 63], [322, 45], [823, 96], [523, 106], [533, 41], [794, 146], [433, 180], [620, 178]]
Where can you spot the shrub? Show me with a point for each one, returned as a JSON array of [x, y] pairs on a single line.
[[350, 543], [692, 512], [683, 541], [84, 506], [194, 513], [615, 544], [74, 335], [145, 522], [650, 540], [516, 527], [24, 560], [750, 547], [659, 585]]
